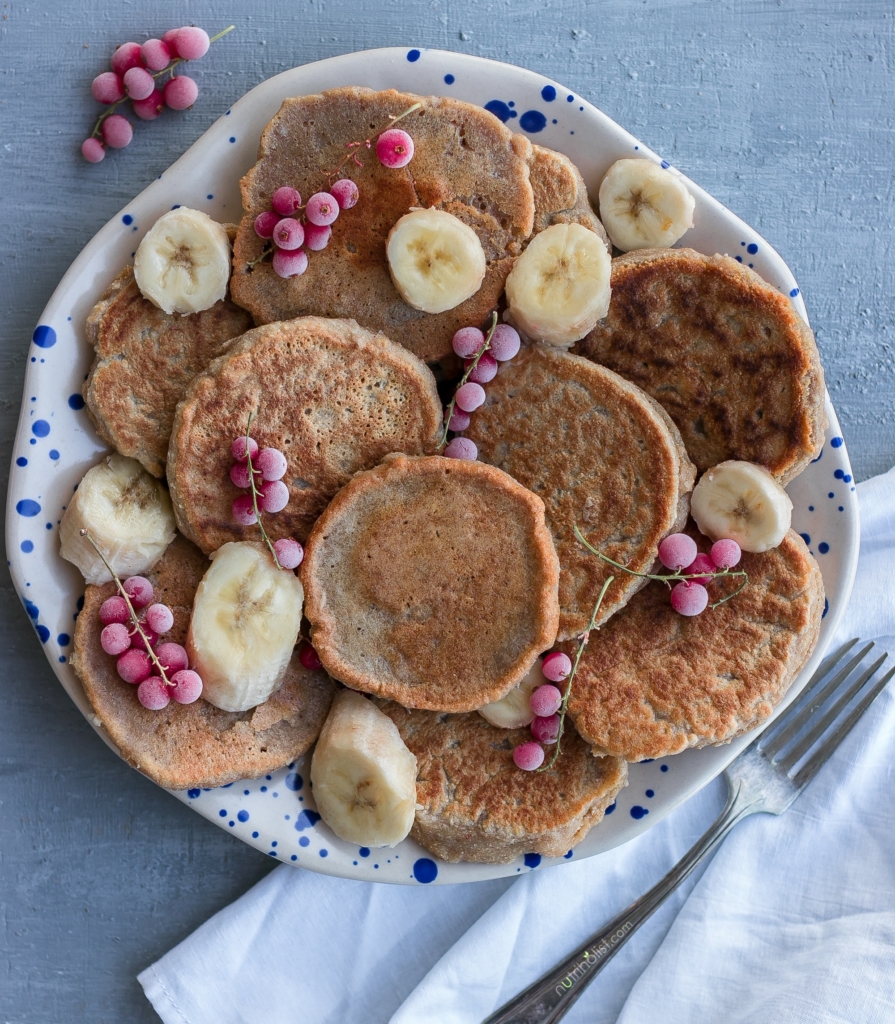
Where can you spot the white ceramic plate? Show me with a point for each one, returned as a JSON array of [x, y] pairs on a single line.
[[56, 444]]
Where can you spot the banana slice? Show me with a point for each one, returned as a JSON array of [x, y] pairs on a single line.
[[743, 502], [643, 206], [183, 263], [513, 711], [245, 622], [363, 775], [559, 287], [129, 515], [436, 261]]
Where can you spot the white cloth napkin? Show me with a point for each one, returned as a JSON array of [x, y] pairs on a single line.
[[792, 921]]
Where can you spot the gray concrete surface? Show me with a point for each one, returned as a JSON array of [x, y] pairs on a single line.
[[783, 109]]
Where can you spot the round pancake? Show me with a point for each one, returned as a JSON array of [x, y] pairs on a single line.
[[473, 803], [653, 682], [145, 358], [195, 745], [600, 453], [726, 354], [560, 193], [433, 582], [334, 398], [465, 162]]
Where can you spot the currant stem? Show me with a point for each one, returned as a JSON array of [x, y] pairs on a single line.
[[130, 608], [450, 409], [255, 493], [582, 643]]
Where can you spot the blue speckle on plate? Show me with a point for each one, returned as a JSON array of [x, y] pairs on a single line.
[[210, 196], [823, 547], [243, 816], [532, 121], [294, 782], [43, 633], [532, 860], [254, 835], [413, 56], [304, 841], [63, 639], [193, 793], [324, 853], [836, 442], [664, 768], [752, 248], [610, 808], [826, 608], [264, 789], [293, 857], [499, 109], [127, 219], [567, 856], [638, 812], [449, 79], [806, 537], [425, 870], [232, 139], [570, 99], [27, 546], [548, 93], [28, 508], [40, 428], [222, 813], [841, 508], [831, 495], [306, 819], [44, 336], [650, 793], [665, 165], [54, 455], [76, 402], [793, 292], [32, 609], [21, 461]]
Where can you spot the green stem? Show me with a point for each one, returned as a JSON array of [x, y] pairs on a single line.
[[582, 643], [450, 409], [255, 493]]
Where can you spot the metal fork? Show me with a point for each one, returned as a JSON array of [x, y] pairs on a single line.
[[767, 776]]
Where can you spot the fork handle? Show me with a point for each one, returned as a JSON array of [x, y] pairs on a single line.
[[548, 999]]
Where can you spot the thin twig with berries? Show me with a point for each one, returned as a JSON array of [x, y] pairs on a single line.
[[582, 643], [256, 493], [449, 412]]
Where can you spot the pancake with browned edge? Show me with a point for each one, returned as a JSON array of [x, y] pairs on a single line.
[[334, 398], [601, 454], [560, 193], [433, 582], [727, 355], [194, 745], [653, 682], [475, 804]]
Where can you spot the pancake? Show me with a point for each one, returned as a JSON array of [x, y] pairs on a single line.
[[473, 803], [653, 682], [431, 581], [465, 162], [195, 745], [560, 194], [334, 398], [145, 358], [600, 453], [726, 354]]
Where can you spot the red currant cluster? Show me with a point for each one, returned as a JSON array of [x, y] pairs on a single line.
[[545, 703], [134, 75], [293, 233], [262, 471], [679, 553], [160, 671], [481, 353]]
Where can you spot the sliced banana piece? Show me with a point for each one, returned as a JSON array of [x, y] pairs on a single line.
[[363, 775], [436, 261], [245, 622], [644, 206], [743, 502], [129, 516], [559, 287], [183, 263], [513, 711]]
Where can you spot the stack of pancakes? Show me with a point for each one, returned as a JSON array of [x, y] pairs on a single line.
[[435, 584]]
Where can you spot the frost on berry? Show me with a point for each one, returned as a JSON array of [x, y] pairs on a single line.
[[93, 150], [127, 56], [138, 83], [394, 148], [556, 666], [726, 553], [290, 264], [545, 701], [156, 54], [345, 192], [288, 234], [150, 108], [689, 598], [459, 420], [528, 756], [139, 590], [239, 474], [286, 201], [117, 131], [134, 666], [289, 552], [265, 223], [243, 510], [322, 209], [153, 693], [242, 447], [271, 463], [115, 638], [172, 657], [505, 343], [186, 686], [191, 43], [677, 550], [485, 370], [107, 88], [546, 730], [316, 237], [467, 342], [701, 563], [144, 638], [159, 618], [470, 396], [273, 496], [462, 448], [181, 92], [113, 609]]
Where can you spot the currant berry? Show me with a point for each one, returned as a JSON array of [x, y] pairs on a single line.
[[460, 420], [470, 396], [467, 341], [286, 201], [289, 552], [677, 550], [288, 234], [117, 131], [191, 43], [186, 686], [150, 108], [144, 639], [153, 693], [317, 238], [462, 448], [528, 756], [394, 148], [127, 56], [701, 563], [107, 88], [545, 701], [556, 667], [181, 92], [322, 209], [265, 223], [139, 590], [546, 730], [485, 371], [239, 474], [308, 657], [134, 666], [172, 657], [290, 264], [138, 83], [271, 463], [345, 193], [242, 448], [689, 598], [273, 496], [243, 510], [726, 553], [115, 638], [93, 151], [505, 342], [159, 618], [156, 54], [114, 609]]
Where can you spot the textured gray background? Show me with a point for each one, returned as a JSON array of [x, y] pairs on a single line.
[[783, 109]]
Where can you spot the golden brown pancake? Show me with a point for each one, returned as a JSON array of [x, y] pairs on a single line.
[[600, 453], [475, 804], [465, 162], [145, 358], [726, 354], [433, 582], [652, 682], [560, 193], [195, 745], [334, 398]]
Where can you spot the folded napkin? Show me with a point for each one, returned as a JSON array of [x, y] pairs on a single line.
[[792, 921]]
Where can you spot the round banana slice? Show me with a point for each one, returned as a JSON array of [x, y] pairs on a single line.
[[559, 287], [513, 711], [436, 261], [743, 502], [183, 263], [643, 206], [245, 622], [129, 516], [363, 775]]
